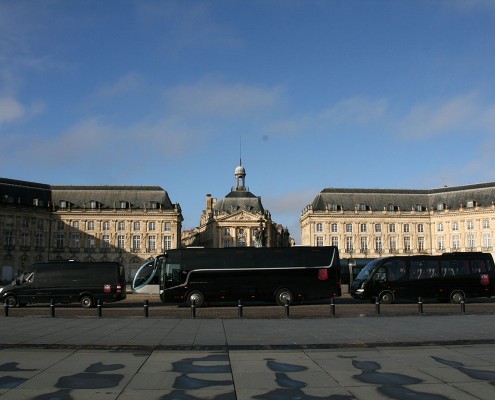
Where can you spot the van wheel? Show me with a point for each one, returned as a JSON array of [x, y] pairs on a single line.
[[283, 296], [87, 301], [386, 297], [456, 297], [10, 300], [196, 297]]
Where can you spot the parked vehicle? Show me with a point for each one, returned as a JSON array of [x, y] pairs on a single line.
[[450, 276], [199, 275], [67, 282]]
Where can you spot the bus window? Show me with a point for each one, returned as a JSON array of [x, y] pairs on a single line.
[[380, 274], [423, 269], [172, 277], [479, 267], [396, 269]]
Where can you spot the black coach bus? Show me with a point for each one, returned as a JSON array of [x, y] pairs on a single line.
[[282, 275], [450, 276]]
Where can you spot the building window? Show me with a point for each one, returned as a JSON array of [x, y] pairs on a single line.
[[106, 241], [152, 226], [378, 244], [167, 242], [421, 244], [335, 241], [393, 244], [60, 242], [441, 243], [319, 227], [227, 243], [226, 232], [455, 226], [363, 228], [348, 228], [75, 224], [391, 228], [364, 245], [406, 228], [106, 225], [74, 241], [153, 205], [470, 225], [241, 242], [40, 224], [407, 244], [334, 228], [470, 204], [121, 226], [362, 207], [60, 225], [349, 244], [136, 243], [440, 227], [319, 241], [123, 205], [24, 223], [90, 242], [92, 204], [168, 227], [121, 242], [137, 226], [440, 206], [487, 241], [486, 224], [39, 240], [378, 228], [456, 243], [91, 225], [25, 239], [471, 241], [152, 243], [421, 228]]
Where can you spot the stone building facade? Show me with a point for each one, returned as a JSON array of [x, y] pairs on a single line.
[[237, 220], [127, 224], [370, 223]]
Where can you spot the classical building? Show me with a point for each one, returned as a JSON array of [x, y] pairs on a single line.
[[369, 223], [237, 220], [41, 222]]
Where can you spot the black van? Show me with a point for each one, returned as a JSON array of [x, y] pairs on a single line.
[[450, 276], [67, 282]]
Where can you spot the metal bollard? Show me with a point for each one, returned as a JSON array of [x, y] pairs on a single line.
[[146, 308], [99, 306], [463, 306], [52, 308], [420, 306], [6, 309], [332, 307], [193, 309], [239, 309], [377, 306], [287, 308]]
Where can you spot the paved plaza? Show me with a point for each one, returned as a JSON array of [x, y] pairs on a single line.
[[428, 358]]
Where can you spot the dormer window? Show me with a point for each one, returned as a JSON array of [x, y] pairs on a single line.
[[38, 202], [471, 204], [362, 207], [333, 207], [64, 204], [153, 205], [93, 204], [420, 207], [392, 207], [440, 206], [123, 205]]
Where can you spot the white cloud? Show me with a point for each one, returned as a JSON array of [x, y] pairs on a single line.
[[10, 110], [213, 99], [126, 84]]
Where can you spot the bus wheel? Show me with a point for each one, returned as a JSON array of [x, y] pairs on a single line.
[[283, 296], [386, 297], [86, 301], [197, 297], [10, 300], [456, 297]]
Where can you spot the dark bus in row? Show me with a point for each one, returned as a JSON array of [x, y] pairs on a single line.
[[67, 282], [281, 275], [447, 277]]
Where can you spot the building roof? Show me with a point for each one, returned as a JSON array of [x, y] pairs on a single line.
[[482, 194], [22, 193], [239, 201]]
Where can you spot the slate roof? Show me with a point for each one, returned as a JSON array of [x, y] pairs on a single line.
[[405, 199], [239, 200], [15, 192], [111, 196]]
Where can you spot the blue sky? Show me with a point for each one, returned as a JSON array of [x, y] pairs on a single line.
[[350, 93]]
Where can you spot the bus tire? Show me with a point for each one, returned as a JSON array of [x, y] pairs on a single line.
[[386, 297], [10, 300], [197, 297], [86, 301], [457, 296], [283, 295]]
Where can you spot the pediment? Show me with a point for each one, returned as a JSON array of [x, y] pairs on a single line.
[[243, 216]]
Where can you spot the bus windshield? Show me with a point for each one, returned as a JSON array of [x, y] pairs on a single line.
[[366, 271]]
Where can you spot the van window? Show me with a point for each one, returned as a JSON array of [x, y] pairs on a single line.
[[479, 267], [454, 267]]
